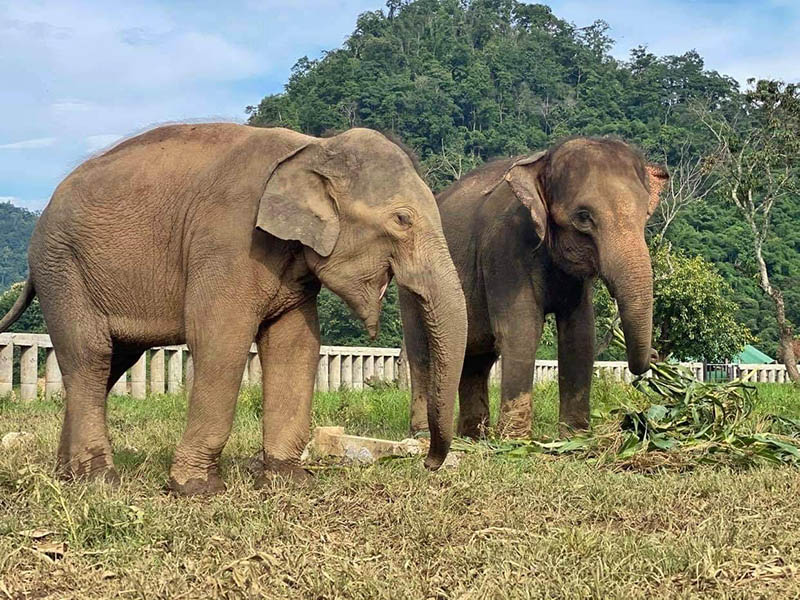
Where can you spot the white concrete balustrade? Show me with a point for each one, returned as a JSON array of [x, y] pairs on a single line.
[[168, 369]]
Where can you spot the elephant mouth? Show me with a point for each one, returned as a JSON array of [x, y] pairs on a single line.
[[388, 279], [381, 285]]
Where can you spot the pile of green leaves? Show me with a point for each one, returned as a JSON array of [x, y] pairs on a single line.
[[680, 423]]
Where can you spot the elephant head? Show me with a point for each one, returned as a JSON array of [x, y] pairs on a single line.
[[589, 200], [363, 215]]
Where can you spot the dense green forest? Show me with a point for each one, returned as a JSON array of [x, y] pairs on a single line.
[[462, 81]]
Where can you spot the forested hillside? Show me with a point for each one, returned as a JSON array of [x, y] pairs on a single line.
[[465, 80], [16, 226]]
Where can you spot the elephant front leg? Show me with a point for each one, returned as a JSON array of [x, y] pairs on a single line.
[[576, 343], [219, 351], [518, 354], [289, 352]]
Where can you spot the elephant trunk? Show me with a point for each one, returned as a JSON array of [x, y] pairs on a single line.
[[435, 324], [629, 276]]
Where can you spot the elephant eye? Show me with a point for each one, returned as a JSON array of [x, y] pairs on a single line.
[[583, 217], [403, 219]]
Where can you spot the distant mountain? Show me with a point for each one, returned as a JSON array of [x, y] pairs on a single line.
[[16, 226]]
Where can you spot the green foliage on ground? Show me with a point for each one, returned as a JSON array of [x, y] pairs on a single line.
[[674, 422], [495, 527]]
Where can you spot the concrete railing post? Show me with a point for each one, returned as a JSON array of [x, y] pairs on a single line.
[[175, 371], [380, 373], [322, 374], [336, 372], [389, 368], [157, 371], [254, 368], [28, 372], [53, 385], [369, 367], [6, 369], [347, 371], [121, 386], [139, 377], [358, 372]]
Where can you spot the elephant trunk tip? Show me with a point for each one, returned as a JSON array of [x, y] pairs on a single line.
[[638, 367]]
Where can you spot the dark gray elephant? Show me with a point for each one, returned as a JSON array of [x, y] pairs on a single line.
[[219, 234], [528, 237]]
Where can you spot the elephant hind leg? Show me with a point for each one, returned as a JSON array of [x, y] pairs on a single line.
[[82, 341], [85, 356], [473, 393]]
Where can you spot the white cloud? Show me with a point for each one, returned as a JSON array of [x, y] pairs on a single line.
[[68, 105], [100, 141], [43, 142], [9, 199]]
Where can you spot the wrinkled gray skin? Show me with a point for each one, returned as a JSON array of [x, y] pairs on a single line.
[[528, 237], [219, 234]]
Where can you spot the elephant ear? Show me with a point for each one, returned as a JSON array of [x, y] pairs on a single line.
[[525, 179], [657, 178], [297, 203]]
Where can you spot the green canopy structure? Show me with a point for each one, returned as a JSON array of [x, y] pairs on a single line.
[[752, 356]]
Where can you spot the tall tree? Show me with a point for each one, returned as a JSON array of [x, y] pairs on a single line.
[[758, 162]]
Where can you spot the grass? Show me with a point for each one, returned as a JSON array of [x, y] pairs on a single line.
[[495, 527]]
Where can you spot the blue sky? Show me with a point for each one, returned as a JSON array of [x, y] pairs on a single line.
[[76, 76]]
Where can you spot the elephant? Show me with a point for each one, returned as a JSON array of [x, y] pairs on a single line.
[[216, 235], [529, 235]]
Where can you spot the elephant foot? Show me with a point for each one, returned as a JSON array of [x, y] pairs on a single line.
[[94, 465], [189, 477], [515, 418], [474, 429], [276, 468], [197, 486], [572, 426]]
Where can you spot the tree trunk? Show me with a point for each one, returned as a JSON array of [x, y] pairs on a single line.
[[787, 353], [786, 347]]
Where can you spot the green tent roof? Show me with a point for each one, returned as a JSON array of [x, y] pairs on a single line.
[[752, 356]]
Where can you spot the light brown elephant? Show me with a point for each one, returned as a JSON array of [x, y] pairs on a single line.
[[529, 235], [219, 234]]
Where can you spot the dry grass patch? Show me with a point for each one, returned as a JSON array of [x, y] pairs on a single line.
[[540, 527]]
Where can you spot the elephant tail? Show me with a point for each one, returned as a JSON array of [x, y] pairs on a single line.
[[23, 301]]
